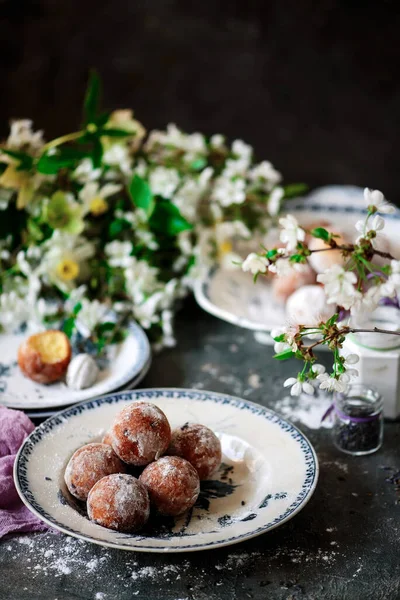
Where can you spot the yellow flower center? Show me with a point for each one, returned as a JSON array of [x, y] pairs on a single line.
[[98, 206], [225, 247], [67, 269]]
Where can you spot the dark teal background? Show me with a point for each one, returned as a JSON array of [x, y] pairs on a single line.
[[314, 86]]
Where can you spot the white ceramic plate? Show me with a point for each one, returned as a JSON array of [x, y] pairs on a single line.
[[270, 471], [45, 413], [231, 295], [123, 363]]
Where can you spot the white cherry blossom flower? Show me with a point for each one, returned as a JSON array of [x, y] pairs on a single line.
[[339, 286], [266, 172], [91, 314], [374, 224], [369, 300], [23, 136], [297, 387], [217, 141], [291, 232], [118, 156], [163, 181], [274, 201], [331, 384], [318, 368], [375, 198], [85, 172], [255, 263], [119, 253], [242, 150], [227, 192]]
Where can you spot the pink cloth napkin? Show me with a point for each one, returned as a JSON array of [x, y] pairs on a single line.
[[15, 426]]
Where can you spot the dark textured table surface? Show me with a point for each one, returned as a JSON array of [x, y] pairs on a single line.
[[344, 544]]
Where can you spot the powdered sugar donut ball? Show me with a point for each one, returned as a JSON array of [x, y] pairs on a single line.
[[88, 465], [173, 485], [119, 502], [320, 261], [198, 445], [308, 306], [140, 433], [107, 438], [284, 286]]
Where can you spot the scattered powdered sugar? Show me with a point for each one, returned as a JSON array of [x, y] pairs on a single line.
[[254, 380], [305, 409]]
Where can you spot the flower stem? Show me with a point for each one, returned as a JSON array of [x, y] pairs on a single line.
[[70, 137]]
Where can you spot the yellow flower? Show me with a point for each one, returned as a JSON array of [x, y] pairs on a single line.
[[18, 180], [225, 247], [67, 269], [94, 197], [98, 206]]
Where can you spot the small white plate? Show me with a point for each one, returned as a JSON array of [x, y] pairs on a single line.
[[123, 362], [232, 296], [45, 413], [270, 471]]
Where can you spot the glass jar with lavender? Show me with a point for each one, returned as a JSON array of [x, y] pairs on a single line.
[[358, 420]]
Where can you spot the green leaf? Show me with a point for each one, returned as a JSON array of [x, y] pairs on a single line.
[[167, 219], [34, 231], [284, 355], [92, 98], [294, 189], [97, 153], [141, 195], [107, 326], [271, 253], [332, 320], [25, 160], [198, 164], [280, 338], [297, 258], [69, 326], [77, 308], [116, 227], [321, 233], [63, 158], [102, 119], [117, 133]]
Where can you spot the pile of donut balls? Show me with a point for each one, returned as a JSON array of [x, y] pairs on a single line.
[[173, 464]]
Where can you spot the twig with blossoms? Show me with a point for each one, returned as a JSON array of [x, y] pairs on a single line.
[[358, 286]]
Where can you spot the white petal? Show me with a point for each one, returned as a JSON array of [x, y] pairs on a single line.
[[360, 226], [296, 389], [317, 368], [308, 388], [387, 208], [290, 381], [352, 359]]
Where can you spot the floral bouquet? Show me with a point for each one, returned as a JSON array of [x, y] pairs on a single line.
[[108, 217]]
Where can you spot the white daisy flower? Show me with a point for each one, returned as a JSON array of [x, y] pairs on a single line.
[[94, 197]]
